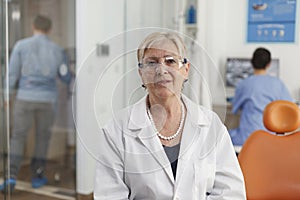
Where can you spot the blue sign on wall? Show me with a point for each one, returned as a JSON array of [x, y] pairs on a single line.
[[271, 20]]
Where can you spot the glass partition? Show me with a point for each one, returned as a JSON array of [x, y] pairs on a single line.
[[3, 132], [58, 178]]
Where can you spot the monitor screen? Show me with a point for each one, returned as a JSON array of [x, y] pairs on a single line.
[[238, 69]]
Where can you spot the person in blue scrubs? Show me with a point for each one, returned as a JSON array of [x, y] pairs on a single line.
[[35, 64], [253, 94]]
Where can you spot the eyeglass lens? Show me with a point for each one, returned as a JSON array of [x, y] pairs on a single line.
[[167, 61]]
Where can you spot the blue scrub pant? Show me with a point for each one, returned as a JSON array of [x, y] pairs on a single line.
[[26, 114]]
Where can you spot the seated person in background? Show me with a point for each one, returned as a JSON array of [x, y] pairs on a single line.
[[253, 94]]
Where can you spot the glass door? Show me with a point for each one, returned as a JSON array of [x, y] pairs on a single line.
[[3, 113], [35, 180]]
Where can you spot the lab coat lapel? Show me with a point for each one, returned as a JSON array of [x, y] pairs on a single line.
[[155, 147], [140, 121], [187, 145], [195, 121]]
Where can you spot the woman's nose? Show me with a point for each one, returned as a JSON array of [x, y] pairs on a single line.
[[161, 69]]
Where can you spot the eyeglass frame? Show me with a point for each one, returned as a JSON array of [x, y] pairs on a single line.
[[155, 65]]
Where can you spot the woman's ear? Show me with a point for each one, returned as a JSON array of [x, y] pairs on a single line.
[[186, 68], [140, 73]]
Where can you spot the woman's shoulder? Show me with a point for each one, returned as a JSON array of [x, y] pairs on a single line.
[[201, 112], [119, 116], [194, 104], [123, 117]]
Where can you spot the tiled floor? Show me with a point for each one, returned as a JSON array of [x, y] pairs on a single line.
[[61, 177], [23, 195], [58, 174], [23, 190]]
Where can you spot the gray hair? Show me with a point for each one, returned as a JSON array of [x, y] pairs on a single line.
[[159, 37]]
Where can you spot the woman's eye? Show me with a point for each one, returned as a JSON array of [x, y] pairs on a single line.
[[170, 61], [151, 63]]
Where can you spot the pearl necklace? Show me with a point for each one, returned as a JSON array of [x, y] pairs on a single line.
[[178, 130]]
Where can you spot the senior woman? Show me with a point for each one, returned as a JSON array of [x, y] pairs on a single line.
[[165, 146]]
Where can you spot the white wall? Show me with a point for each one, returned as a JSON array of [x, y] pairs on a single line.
[[96, 21]]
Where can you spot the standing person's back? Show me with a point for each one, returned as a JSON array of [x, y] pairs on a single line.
[[37, 59], [253, 94], [35, 63]]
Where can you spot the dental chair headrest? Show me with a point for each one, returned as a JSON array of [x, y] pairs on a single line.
[[281, 116]]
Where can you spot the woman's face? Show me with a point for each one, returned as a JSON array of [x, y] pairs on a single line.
[[162, 70]]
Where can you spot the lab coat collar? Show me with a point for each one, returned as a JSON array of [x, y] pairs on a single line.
[[194, 120], [140, 120]]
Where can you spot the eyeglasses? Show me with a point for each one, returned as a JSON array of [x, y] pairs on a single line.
[[170, 61]]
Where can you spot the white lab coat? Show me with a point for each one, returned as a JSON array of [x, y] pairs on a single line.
[[132, 163]]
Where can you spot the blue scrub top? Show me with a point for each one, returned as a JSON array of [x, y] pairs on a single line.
[[251, 97], [35, 63]]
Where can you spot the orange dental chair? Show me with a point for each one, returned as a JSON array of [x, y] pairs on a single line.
[[271, 162]]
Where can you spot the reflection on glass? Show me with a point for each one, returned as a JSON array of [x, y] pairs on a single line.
[[37, 159]]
